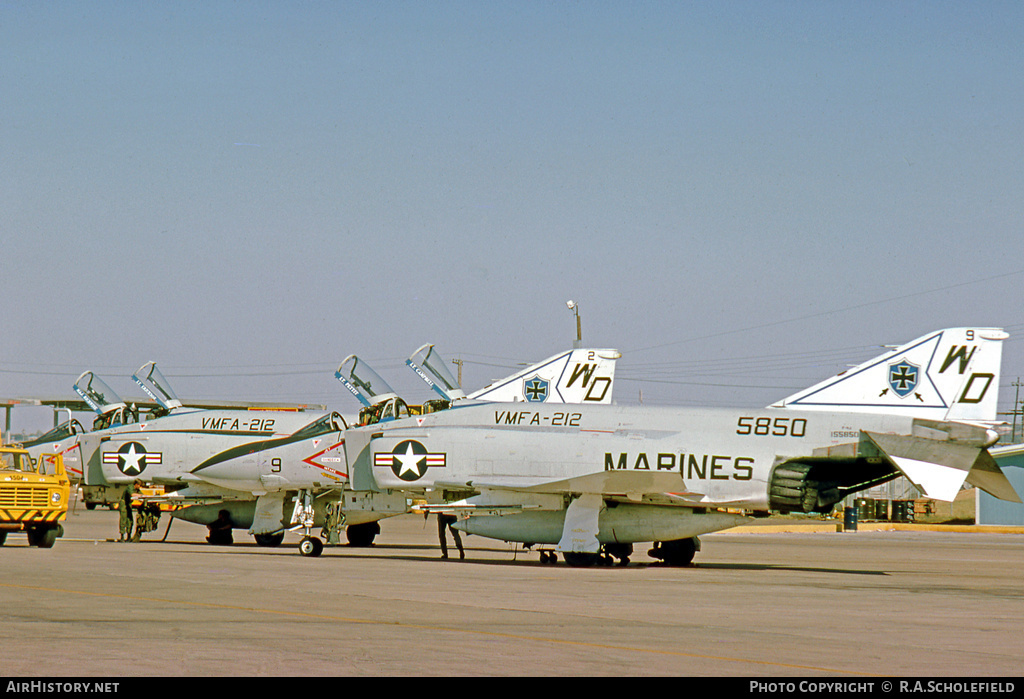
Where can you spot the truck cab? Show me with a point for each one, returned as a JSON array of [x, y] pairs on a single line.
[[33, 495]]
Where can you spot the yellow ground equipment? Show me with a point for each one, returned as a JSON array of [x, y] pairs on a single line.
[[33, 495]]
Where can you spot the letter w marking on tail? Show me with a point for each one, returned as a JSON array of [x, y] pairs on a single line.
[[960, 353], [584, 370]]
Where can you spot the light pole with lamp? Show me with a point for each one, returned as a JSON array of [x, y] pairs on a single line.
[[574, 307]]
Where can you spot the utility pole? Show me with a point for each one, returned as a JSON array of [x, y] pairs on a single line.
[[575, 308], [458, 363], [1016, 409]]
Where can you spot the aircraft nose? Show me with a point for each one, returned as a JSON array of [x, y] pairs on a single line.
[[242, 468]]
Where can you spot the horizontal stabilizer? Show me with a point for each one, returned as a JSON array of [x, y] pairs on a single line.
[[987, 475], [935, 480], [940, 468]]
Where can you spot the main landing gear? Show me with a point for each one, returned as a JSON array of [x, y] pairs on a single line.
[[678, 553], [609, 552], [270, 540], [675, 553]]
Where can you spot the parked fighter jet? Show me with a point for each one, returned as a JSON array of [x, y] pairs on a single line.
[[176, 442], [591, 481], [278, 480], [163, 446], [64, 438]]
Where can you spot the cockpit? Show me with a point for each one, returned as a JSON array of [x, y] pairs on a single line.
[[332, 422], [380, 402]]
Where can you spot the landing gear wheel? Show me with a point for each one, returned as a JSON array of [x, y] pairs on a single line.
[[619, 551], [362, 535], [548, 557], [311, 546], [675, 553], [269, 539], [581, 560]]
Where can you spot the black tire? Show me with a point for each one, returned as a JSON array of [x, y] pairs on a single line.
[[677, 553], [3, 538], [43, 538], [311, 547], [269, 540], [362, 535], [47, 538], [581, 560]]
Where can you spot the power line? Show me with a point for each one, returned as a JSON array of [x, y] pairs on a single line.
[[867, 304]]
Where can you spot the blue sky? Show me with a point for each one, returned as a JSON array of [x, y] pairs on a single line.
[[743, 197]]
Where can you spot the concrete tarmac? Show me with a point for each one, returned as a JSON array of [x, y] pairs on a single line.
[[888, 604]]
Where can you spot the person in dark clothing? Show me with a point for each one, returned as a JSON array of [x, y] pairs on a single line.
[[124, 511], [446, 522], [220, 529]]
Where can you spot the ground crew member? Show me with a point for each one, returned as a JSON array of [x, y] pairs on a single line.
[[220, 529], [446, 522], [124, 509]]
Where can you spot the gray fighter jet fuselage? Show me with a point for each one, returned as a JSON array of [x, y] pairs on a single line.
[[592, 479]]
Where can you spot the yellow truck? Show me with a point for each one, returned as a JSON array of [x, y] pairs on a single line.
[[33, 495]]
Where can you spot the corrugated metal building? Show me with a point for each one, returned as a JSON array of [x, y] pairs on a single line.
[[994, 511]]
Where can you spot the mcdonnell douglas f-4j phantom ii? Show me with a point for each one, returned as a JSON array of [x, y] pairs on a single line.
[[260, 497], [592, 480], [164, 446]]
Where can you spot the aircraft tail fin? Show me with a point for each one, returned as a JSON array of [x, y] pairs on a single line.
[[576, 376], [950, 375]]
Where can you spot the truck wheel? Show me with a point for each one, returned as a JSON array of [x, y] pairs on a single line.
[[43, 538], [3, 538], [46, 539]]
